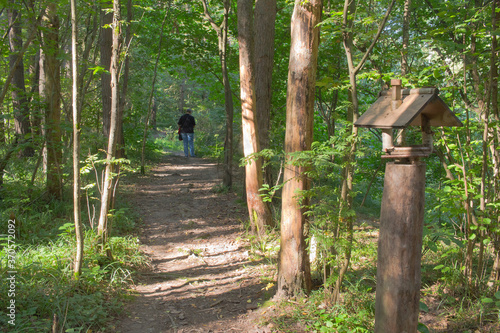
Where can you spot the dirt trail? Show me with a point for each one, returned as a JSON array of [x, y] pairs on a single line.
[[202, 277]]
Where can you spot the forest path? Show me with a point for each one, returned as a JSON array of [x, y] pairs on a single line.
[[202, 278]]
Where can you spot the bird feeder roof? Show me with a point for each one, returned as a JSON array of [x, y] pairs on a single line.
[[416, 102]]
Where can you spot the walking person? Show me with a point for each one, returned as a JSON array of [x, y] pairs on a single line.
[[186, 126]]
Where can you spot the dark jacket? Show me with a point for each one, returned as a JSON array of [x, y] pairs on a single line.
[[187, 123]]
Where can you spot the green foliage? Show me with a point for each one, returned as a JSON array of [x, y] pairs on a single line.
[[494, 301], [340, 322], [422, 328], [211, 147], [166, 141], [45, 251], [265, 246], [45, 286]]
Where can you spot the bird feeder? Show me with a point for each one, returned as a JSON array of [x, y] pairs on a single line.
[[400, 108], [403, 201]]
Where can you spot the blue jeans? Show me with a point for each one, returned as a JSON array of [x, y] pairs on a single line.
[[188, 139]]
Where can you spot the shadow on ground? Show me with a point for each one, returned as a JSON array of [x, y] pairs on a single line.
[[202, 278]]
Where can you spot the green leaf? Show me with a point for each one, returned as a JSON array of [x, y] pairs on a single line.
[[486, 221], [423, 307], [422, 328], [432, 246], [98, 70]]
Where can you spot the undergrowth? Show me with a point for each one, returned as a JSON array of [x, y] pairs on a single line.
[[37, 250], [47, 294], [446, 306]]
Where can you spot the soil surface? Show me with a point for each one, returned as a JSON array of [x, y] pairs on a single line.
[[202, 277]]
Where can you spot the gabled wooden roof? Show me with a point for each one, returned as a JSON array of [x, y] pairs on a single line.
[[416, 102]]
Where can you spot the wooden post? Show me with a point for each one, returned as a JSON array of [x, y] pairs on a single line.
[[397, 99], [387, 141], [399, 249], [427, 139]]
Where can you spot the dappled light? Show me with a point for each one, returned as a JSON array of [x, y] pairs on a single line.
[[202, 273]]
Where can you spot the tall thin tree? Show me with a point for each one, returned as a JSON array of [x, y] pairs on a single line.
[[401, 137], [151, 94], [76, 145], [103, 226], [105, 42], [353, 114], [222, 36], [294, 274]]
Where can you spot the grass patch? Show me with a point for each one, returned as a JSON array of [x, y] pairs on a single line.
[[46, 292]]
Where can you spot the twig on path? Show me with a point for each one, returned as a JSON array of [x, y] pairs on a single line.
[[174, 326], [216, 303]]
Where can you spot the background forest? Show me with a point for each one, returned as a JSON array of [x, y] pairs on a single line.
[[110, 87]]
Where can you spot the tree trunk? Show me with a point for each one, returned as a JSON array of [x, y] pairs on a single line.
[[294, 268], [120, 137], [19, 98], [105, 49], [76, 146], [151, 94], [34, 74], [52, 97], [259, 212], [182, 88], [34, 29], [406, 38], [353, 113], [103, 227], [401, 136], [42, 82], [92, 25], [120, 152], [222, 36], [154, 111], [265, 17], [227, 178], [2, 128], [494, 151]]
